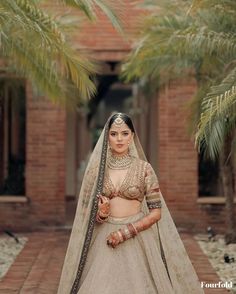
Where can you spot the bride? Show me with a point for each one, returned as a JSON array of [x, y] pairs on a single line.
[[123, 239]]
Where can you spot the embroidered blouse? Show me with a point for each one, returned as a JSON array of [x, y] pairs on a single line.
[[140, 181]]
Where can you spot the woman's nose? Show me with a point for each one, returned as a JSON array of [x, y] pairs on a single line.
[[119, 137]]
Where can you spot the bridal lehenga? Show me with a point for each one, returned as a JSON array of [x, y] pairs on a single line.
[[154, 261]]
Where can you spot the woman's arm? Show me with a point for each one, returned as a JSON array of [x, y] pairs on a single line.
[[152, 194], [131, 230], [147, 221]]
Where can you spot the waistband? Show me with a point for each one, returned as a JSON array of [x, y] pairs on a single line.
[[125, 220]]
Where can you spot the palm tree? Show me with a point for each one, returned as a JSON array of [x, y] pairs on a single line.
[[34, 44], [184, 38]]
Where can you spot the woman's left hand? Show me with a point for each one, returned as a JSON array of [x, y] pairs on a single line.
[[114, 239]]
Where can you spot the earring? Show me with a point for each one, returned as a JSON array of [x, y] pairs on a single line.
[[131, 149]]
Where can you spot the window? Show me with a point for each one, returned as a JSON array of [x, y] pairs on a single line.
[[209, 180], [12, 137]]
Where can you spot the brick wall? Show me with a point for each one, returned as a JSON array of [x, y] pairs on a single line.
[[45, 169], [45, 172], [177, 158], [178, 162], [45, 134], [99, 38]]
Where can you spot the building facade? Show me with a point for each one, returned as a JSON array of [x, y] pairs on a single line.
[[44, 148]]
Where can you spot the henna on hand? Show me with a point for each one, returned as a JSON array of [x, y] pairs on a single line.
[[103, 205], [120, 236], [147, 221], [132, 229], [114, 239], [103, 209]]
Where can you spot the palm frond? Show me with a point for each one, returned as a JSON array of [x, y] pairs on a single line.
[[45, 77], [33, 19], [221, 5], [37, 46], [112, 9], [204, 39], [155, 53], [218, 113]]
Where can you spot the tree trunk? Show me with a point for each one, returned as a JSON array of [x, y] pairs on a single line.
[[227, 174]]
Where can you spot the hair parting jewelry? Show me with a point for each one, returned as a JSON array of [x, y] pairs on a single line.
[[118, 121]]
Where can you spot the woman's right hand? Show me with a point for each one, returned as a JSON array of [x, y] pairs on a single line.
[[103, 205]]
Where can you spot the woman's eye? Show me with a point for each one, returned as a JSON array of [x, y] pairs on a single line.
[[126, 134], [113, 134]]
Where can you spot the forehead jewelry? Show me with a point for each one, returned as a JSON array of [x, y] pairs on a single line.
[[118, 121]]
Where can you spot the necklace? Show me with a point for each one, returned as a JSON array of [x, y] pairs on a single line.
[[119, 162]]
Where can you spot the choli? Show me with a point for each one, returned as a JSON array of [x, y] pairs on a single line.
[[140, 181]]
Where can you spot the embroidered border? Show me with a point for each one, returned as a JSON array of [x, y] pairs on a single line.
[[154, 204], [163, 255], [92, 217]]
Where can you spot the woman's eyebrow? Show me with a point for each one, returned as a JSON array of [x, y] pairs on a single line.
[[121, 131]]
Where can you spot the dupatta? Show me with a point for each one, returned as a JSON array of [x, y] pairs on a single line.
[[178, 266]]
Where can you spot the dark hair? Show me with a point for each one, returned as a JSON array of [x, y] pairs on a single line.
[[127, 120]]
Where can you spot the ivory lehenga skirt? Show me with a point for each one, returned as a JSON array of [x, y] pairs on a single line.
[[133, 267]]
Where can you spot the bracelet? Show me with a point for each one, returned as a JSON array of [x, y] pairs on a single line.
[[120, 236], [123, 234], [100, 219], [135, 229], [132, 230], [127, 233], [103, 215]]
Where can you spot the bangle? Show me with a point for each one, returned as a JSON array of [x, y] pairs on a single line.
[[100, 219], [132, 230], [135, 229], [127, 233], [123, 234], [120, 236], [103, 215]]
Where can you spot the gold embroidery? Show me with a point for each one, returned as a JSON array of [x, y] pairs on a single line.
[[140, 181]]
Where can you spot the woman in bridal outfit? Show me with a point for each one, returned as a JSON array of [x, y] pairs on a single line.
[[123, 239]]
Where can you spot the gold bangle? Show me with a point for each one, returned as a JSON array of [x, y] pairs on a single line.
[[127, 233], [120, 236]]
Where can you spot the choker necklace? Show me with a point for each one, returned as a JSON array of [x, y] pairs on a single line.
[[119, 162]]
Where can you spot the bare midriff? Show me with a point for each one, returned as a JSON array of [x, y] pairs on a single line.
[[120, 207]]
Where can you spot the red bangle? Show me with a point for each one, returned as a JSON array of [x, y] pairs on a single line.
[[132, 230], [100, 219], [123, 234]]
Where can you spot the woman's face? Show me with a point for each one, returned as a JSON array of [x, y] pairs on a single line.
[[119, 139]]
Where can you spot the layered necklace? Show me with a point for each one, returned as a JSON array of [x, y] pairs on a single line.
[[119, 162]]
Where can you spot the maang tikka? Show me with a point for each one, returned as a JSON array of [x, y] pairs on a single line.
[[118, 122]]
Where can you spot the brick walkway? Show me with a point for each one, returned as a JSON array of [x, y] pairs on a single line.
[[37, 269]]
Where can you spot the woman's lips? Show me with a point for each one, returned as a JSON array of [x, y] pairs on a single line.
[[119, 145]]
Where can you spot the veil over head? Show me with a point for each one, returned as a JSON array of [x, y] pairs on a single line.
[[179, 268]]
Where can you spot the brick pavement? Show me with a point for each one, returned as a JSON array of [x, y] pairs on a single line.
[[37, 268]]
